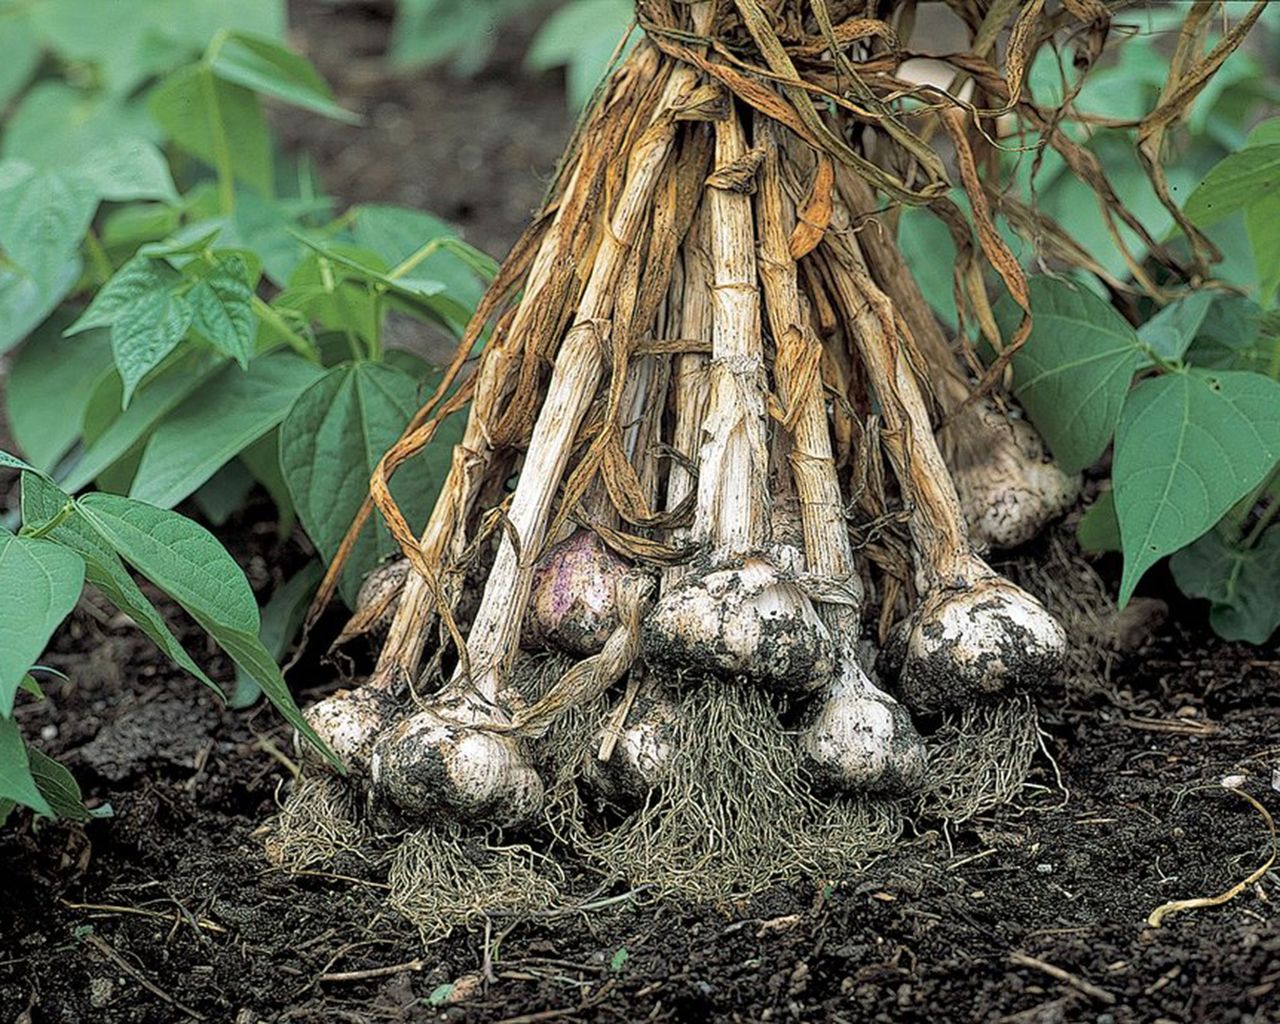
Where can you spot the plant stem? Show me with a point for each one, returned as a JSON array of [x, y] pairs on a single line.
[[295, 340], [35, 533], [98, 256], [1268, 516], [218, 134]]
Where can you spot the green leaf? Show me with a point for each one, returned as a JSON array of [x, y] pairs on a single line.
[[54, 124], [226, 415], [50, 384], [581, 36], [329, 445], [128, 285], [281, 618], [1230, 337], [1238, 181], [43, 216], [58, 786], [222, 494], [41, 582], [128, 227], [333, 288], [1188, 447], [147, 317], [19, 52], [1074, 371], [1262, 224], [145, 333], [16, 782], [41, 501], [270, 69], [222, 311], [263, 459], [1243, 585], [25, 302], [396, 233], [1170, 332], [1265, 133], [1099, 529], [186, 561], [128, 169], [216, 120], [930, 251], [125, 434], [8, 461]]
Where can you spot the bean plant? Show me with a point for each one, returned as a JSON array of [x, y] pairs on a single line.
[[187, 318]]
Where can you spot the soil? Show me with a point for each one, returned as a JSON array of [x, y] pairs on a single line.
[[168, 911]]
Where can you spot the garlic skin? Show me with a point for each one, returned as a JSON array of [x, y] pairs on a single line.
[[641, 757], [430, 765], [964, 643], [573, 606], [379, 594], [349, 721], [858, 738], [1009, 487], [746, 622]]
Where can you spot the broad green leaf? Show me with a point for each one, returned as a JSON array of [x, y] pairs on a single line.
[[217, 121], [1099, 530], [1242, 584], [41, 501], [130, 226], [1229, 338], [263, 459], [186, 561], [25, 302], [128, 430], [928, 248], [1170, 332], [55, 124], [581, 36], [146, 314], [128, 169], [1262, 224], [221, 304], [16, 782], [1238, 181], [1074, 370], [396, 233], [41, 582], [49, 388], [270, 69], [145, 333], [281, 619], [128, 286], [19, 51], [8, 461], [1188, 447], [429, 31], [44, 213], [329, 446], [334, 289], [222, 494], [58, 786], [218, 421], [1265, 133]]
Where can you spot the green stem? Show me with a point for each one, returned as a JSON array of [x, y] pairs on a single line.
[[221, 147], [35, 533], [1268, 516], [98, 257], [295, 340], [414, 259]]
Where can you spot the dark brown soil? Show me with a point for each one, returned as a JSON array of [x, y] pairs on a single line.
[[168, 911]]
